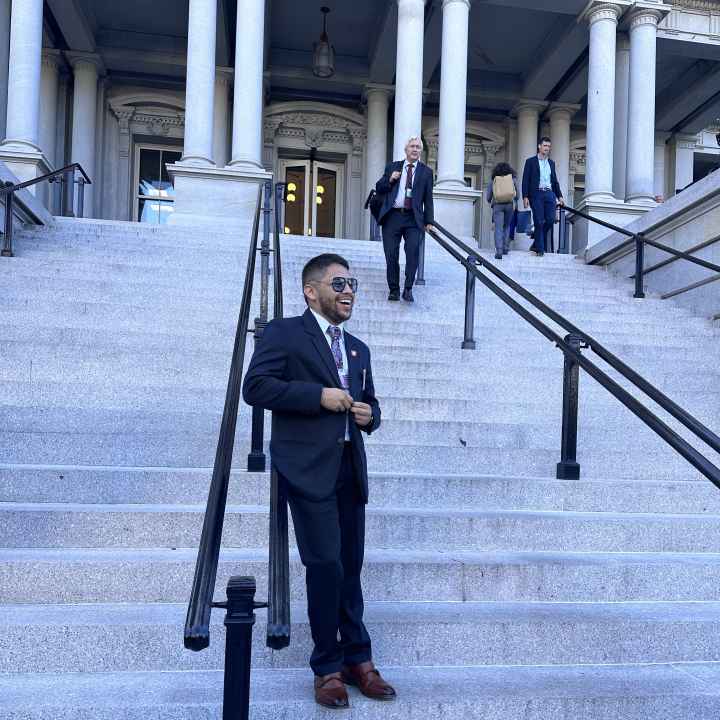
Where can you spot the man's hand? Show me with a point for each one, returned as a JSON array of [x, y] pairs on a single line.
[[362, 412], [335, 400], [561, 202], [429, 228], [395, 176], [526, 203]]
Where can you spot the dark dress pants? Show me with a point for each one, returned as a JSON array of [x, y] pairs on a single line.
[[400, 224], [543, 206], [330, 536]]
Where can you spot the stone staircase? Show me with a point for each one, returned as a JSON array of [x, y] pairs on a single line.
[[493, 590]]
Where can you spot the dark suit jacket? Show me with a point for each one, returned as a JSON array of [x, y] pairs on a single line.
[[288, 371], [531, 178], [422, 199]]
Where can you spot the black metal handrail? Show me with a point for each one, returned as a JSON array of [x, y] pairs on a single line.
[[571, 347], [197, 622], [240, 604], [640, 240], [62, 175]]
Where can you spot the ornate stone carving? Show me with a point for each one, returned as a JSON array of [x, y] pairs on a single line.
[[315, 129], [603, 11], [698, 4], [645, 16]]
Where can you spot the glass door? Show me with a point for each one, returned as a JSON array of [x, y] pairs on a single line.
[[295, 174], [327, 205], [313, 198], [154, 192]]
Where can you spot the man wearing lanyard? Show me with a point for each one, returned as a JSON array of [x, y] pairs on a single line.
[[541, 191], [407, 212], [316, 379]]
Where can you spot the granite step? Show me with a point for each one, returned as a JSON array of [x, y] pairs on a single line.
[[146, 575], [135, 525], [121, 637], [667, 691]]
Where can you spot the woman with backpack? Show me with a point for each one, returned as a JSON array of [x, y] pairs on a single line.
[[502, 193]]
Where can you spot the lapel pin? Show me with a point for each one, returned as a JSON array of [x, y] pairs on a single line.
[[353, 353]]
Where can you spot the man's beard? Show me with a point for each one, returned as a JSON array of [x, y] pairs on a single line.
[[328, 308]]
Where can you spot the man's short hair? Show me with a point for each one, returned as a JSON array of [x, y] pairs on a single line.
[[415, 137], [544, 139], [315, 267]]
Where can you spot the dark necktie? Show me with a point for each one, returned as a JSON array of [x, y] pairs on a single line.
[[335, 333], [408, 186]]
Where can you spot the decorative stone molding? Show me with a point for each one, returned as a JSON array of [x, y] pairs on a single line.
[[123, 115], [698, 4], [597, 11], [316, 124], [644, 16], [51, 59], [83, 58]]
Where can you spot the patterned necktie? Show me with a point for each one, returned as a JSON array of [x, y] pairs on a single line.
[[408, 186], [335, 333]]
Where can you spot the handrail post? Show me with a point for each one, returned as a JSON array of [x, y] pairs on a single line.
[[568, 467], [7, 250], [468, 342], [239, 621], [639, 265], [278, 615], [420, 279], [67, 191], [562, 232], [256, 457], [81, 197]]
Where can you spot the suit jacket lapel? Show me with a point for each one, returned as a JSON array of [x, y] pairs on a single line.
[[397, 165], [321, 345], [354, 368]]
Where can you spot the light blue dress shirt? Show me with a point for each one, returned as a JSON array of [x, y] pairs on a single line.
[[545, 181]]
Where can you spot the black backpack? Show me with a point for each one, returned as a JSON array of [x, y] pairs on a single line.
[[374, 203]]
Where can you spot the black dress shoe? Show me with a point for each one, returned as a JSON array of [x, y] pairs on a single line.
[[407, 295], [394, 295], [541, 254], [498, 256]]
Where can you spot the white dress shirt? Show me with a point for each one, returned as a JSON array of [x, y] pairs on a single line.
[[324, 325], [400, 197]]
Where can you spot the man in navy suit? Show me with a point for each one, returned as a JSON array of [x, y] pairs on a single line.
[[407, 212], [316, 379], [541, 191]]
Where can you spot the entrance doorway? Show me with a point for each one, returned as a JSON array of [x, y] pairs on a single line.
[[154, 192], [313, 199]]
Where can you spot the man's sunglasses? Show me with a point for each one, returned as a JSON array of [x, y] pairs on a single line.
[[338, 283]]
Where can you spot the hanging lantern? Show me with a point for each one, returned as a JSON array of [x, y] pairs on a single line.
[[324, 52]]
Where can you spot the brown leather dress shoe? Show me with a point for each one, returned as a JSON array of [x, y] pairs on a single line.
[[368, 680], [330, 691]]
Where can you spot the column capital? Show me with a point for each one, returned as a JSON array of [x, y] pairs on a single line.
[[525, 105], [456, 2], [51, 58], [378, 89], [644, 13], [597, 10], [124, 114], [77, 59], [558, 108]]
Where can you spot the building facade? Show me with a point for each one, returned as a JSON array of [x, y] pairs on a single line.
[[177, 109]]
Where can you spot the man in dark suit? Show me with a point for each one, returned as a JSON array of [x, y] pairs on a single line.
[[407, 212], [316, 379], [541, 191]]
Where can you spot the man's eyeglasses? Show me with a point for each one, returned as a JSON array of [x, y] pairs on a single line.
[[338, 283]]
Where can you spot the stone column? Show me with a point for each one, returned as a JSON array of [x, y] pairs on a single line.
[[660, 183], [378, 101], [248, 93], [560, 115], [682, 160], [453, 94], [641, 106], [602, 18], [49, 85], [86, 68], [528, 115], [20, 150], [200, 83], [221, 131], [409, 73], [4, 59], [622, 88]]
